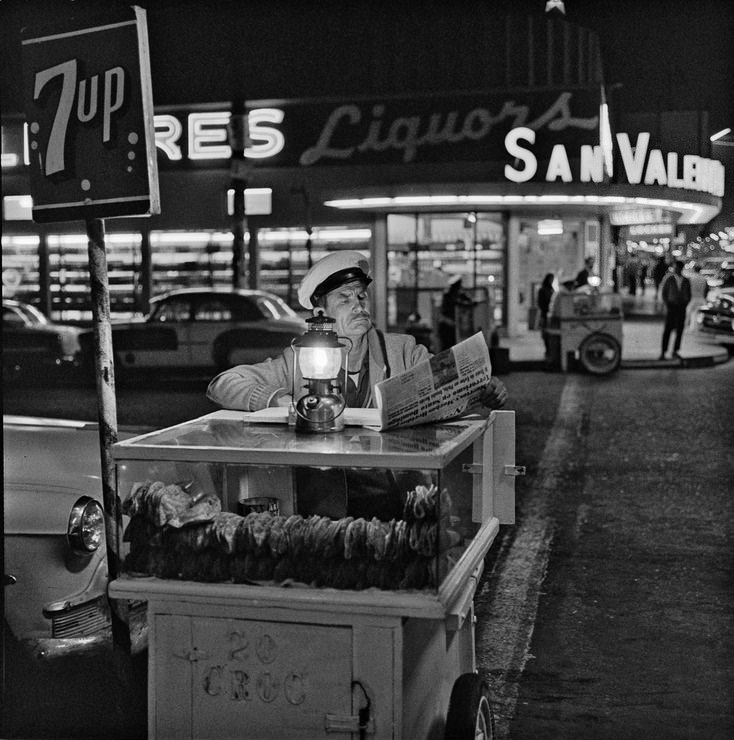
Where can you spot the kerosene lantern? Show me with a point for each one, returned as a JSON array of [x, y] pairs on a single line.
[[320, 356]]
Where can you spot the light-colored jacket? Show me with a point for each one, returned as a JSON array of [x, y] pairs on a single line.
[[253, 387]]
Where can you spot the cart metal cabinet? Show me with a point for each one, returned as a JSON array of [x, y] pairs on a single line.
[[290, 660], [588, 325]]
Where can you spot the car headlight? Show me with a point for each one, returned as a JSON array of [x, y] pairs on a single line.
[[85, 532]]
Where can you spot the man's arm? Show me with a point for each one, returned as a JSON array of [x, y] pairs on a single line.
[[253, 387]]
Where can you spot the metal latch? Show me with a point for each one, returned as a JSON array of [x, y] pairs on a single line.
[[347, 723], [363, 723], [476, 469]]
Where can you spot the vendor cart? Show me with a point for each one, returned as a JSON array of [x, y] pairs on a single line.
[[309, 614], [587, 326]]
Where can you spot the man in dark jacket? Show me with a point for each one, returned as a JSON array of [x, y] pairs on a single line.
[[675, 291]]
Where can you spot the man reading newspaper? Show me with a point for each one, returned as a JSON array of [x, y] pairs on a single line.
[[339, 285]]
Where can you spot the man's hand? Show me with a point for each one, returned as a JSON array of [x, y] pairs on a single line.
[[495, 395], [281, 399]]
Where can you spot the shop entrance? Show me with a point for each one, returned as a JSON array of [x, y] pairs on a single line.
[[426, 252]]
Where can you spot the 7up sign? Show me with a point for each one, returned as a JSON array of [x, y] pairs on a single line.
[[89, 111]]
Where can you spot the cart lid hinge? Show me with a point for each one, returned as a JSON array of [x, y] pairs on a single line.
[[347, 723], [472, 468]]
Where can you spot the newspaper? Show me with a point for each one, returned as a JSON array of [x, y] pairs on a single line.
[[442, 387]]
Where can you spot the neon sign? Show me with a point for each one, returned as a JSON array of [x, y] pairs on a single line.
[[639, 165], [206, 136]]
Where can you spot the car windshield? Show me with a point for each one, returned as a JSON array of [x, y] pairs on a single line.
[[276, 307], [713, 263], [28, 314]]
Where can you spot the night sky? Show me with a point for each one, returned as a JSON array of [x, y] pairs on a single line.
[[668, 55], [662, 55]]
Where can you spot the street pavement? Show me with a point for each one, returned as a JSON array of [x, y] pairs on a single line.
[[609, 611]]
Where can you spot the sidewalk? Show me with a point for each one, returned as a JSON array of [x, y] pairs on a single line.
[[642, 331]]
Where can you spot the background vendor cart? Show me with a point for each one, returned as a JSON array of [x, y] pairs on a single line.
[[377, 642], [588, 326]]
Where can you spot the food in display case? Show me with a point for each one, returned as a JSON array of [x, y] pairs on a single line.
[[175, 534]]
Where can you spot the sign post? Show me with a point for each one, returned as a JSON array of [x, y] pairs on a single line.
[[239, 139], [89, 110]]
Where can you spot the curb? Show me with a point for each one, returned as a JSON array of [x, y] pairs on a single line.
[[672, 363]]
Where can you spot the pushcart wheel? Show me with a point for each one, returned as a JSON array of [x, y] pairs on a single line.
[[600, 354], [470, 715]]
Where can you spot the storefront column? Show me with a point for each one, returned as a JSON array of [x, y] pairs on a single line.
[[146, 273], [606, 252], [44, 274], [253, 256], [512, 275], [379, 271]]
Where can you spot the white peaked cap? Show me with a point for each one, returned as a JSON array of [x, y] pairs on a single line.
[[330, 272]]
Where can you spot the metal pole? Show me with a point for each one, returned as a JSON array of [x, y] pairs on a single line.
[[474, 255], [416, 269], [238, 140], [107, 411]]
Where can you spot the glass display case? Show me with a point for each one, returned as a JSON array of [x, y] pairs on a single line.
[[227, 499]]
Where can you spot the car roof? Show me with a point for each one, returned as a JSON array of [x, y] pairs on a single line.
[[247, 292]]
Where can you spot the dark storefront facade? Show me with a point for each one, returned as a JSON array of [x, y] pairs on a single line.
[[500, 185]]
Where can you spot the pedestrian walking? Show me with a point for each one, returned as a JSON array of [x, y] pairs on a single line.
[[545, 294], [643, 277], [675, 291], [631, 274]]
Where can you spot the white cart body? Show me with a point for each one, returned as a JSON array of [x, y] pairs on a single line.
[[233, 660]]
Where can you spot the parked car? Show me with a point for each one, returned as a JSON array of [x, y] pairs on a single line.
[[722, 278], [715, 319], [203, 329], [34, 346], [55, 570], [711, 265]]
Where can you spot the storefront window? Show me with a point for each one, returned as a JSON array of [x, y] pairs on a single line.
[[190, 259], [68, 273], [547, 245], [426, 250], [20, 267], [286, 254]]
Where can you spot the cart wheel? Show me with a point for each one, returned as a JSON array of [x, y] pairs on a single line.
[[469, 716], [600, 354]]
